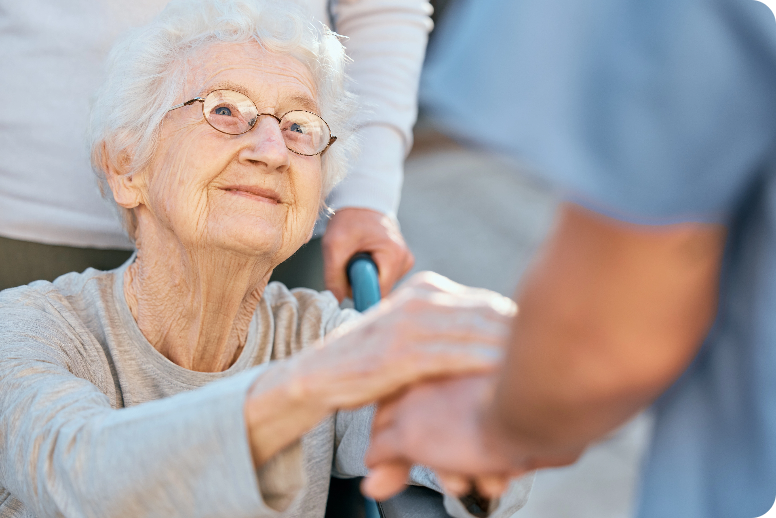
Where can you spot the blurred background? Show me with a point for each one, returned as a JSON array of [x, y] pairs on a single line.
[[478, 217]]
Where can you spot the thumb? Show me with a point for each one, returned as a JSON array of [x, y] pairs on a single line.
[[385, 480]]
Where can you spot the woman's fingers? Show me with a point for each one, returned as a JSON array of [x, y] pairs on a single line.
[[387, 382], [433, 329]]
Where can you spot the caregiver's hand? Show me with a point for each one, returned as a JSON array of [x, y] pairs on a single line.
[[430, 328], [443, 425], [353, 230]]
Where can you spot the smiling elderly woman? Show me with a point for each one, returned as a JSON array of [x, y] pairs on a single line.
[[151, 390]]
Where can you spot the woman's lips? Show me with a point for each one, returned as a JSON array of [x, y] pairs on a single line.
[[267, 195]]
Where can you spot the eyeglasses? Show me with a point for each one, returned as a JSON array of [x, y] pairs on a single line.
[[233, 113]]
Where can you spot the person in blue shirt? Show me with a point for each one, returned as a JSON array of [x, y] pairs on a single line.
[[656, 121]]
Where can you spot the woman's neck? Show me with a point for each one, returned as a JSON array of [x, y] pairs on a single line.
[[194, 306]]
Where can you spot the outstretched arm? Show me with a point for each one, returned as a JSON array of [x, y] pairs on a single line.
[[66, 448], [609, 316]]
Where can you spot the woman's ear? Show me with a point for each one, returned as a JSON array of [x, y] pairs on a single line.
[[126, 188]]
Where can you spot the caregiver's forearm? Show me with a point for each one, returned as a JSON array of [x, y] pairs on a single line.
[[609, 316]]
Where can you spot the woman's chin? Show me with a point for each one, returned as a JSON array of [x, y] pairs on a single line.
[[251, 240], [263, 232]]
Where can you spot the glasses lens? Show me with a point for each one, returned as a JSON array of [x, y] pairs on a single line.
[[304, 132], [230, 112]]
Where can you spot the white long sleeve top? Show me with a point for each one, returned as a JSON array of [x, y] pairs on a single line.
[[52, 62]]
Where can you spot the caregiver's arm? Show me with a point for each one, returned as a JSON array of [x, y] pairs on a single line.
[[386, 39], [610, 315]]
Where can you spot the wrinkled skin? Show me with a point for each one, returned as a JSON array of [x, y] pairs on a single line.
[[203, 239], [216, 213]]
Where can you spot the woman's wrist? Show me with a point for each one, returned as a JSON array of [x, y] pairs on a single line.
[[280, 409]]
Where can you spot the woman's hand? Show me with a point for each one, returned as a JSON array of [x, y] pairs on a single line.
[[430, 328]]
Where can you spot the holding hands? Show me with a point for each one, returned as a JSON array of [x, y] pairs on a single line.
[[431, 328]]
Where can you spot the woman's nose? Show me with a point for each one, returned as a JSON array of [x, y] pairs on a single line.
[[265, 145]]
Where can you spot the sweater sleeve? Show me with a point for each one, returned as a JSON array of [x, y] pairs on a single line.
[[65, 451], [387, 41]]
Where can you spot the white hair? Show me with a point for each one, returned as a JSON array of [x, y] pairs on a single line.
[[147, 72]]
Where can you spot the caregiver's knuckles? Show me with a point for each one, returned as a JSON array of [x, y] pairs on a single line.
[[414, 427]]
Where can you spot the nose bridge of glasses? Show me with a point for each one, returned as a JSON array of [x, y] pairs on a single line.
[[260, 115], [275, 133]]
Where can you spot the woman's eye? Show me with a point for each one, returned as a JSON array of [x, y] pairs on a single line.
[[296, 127], [223, 110]]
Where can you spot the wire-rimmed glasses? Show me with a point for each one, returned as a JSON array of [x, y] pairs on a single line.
[[233, 113]]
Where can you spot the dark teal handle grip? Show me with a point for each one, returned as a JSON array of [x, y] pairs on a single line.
[[364, 280], [365, 283]]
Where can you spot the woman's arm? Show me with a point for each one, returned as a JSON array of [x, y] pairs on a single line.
[[65, 452], [356, 365]]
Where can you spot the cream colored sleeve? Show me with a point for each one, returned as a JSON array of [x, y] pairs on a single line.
[[387, 41]]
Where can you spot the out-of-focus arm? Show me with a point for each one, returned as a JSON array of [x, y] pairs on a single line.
[[387, 42], [610, 315]]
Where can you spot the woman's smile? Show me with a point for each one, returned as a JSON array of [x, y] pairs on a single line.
[[255, 193]]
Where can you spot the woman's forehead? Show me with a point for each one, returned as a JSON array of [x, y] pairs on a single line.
[[268, 78]]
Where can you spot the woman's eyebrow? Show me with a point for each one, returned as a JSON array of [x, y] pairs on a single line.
[[227, 85], [303, 102], [296, 102]]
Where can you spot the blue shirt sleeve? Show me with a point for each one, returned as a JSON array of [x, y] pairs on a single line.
[[652, 112]]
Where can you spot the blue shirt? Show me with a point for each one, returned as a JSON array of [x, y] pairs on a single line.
[[652, 112]]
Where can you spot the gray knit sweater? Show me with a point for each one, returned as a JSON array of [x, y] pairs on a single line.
[[95, 422]]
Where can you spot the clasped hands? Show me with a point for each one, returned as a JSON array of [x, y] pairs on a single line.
[[448, 423], [428, 355], [432, 420], [442, 422]]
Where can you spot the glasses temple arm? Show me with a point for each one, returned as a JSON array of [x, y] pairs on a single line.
[[187, 103]]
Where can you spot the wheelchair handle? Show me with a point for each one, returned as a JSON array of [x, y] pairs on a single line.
[[364, 280]]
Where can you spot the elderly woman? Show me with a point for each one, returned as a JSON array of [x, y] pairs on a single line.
[[151, 390]]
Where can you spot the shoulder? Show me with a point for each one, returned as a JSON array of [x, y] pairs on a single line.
[[58, 296], [52, 316]]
